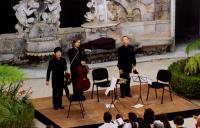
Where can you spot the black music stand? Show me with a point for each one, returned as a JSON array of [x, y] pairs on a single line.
[[141, 79], [112, 89]]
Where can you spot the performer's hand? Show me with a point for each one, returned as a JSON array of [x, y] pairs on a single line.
[[83, 62], [120, 71], [47, 83]]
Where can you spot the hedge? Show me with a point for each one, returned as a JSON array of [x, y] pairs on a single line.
[[187, 86]]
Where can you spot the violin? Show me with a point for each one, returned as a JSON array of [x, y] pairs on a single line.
[[67, 77], [82, 82]]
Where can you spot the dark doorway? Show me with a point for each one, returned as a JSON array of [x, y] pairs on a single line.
[[72, 14], [187, 19], [73, 11], [8, 20]]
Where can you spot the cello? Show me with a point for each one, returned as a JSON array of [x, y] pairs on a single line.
[[82, 82]]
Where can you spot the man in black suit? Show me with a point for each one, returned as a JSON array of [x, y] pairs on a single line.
[[126, 63], [57, 66]]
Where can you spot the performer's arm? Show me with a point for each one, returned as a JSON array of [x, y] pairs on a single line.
[[119, 64], [49, 69], [133, 60], [65, 65]]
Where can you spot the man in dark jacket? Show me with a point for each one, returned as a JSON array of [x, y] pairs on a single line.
[[77, 57], [57, 66], [126, 63]]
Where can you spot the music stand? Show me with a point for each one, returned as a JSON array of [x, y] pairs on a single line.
[[112, 89], [141, 79]]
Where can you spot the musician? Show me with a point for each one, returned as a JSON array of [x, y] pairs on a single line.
[[57, 66], [77, 57], [126, 63]]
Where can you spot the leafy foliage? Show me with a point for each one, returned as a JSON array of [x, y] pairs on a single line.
[[183, 84], [10, 74], [192, 66], [16, 111], [193, 45]]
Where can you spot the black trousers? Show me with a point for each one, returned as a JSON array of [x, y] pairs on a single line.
[[57, 96], [125, 87], [74, 77]]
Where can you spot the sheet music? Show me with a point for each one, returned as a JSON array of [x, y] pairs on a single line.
[[112, 86], [143, 78], [119, 121]]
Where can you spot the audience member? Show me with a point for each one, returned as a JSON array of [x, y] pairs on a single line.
[[132, 117], [107, 121], [158, 124], [149, 117], [163, 118], [178, 121], [119, 121]]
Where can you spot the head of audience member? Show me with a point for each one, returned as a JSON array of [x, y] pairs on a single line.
[[149, 116], [132, 117], [107, 117], [178, 121], [164, 120], [58, 52], [158, 124], [118, 116]]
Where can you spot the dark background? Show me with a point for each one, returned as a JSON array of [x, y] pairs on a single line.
[[72, 14], [187, 19]]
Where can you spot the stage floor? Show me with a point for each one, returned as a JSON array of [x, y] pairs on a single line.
[[94, 110]]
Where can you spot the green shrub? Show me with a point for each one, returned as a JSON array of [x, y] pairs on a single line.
[[16, 111], [192, 66], [188, 86]]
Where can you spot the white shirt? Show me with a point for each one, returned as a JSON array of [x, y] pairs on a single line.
[[108, 125], [128, 125]]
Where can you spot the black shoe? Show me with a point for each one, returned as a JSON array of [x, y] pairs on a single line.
[[122, 96]]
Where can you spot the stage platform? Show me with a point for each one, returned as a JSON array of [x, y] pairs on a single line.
[[94, 110]]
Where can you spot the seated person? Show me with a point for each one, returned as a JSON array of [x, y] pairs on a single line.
[[132, 117], [178, 121], [119, 121], [148, 118], [158, 124], [107, 121]]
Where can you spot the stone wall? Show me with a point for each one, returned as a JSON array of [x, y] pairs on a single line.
[[12, 47]]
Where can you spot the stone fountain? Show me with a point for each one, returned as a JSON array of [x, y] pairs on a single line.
[[38, 24]]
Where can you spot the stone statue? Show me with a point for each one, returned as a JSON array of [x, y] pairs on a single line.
[[38, 25], [23, 13], [53, 15], [99, 11], [29, 12]]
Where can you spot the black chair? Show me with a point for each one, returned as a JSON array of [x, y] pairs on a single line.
[[163, 80], [73, 98], [100, 79]]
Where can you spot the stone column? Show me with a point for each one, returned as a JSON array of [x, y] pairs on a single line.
[[173, 21]]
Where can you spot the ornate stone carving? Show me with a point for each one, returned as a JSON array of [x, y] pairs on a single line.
[[162, 9], [23, 13], [29, 12], [38, 25]]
